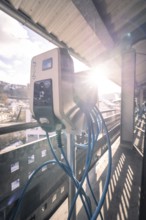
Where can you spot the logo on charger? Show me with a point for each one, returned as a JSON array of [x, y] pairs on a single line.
[[33, 70]]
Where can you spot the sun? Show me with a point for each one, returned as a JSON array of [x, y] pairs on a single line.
[[98, 76]]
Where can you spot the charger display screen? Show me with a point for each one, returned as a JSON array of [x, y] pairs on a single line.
[[47, 64]]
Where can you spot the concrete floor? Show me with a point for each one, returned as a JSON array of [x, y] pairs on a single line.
[[123, 197]]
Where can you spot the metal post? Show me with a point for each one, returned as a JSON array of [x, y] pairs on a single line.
[[127, 101], [71, 159]]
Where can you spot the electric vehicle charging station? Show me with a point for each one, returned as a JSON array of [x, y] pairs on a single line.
[[51, 79], [54, 91], [52, 94], [59, 100]]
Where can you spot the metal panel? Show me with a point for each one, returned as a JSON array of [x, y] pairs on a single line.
[[49, 188], [127, 102]]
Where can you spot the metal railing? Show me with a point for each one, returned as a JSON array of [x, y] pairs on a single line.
[[50, 186]]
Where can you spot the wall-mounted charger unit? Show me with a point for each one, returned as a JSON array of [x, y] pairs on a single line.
[[51, 91]]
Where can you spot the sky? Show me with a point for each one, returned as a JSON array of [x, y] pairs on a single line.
[[18, 45]]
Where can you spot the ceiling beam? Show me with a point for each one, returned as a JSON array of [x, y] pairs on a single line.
[[92, 17], [132, 24]]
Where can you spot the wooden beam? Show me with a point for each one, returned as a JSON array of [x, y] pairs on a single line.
[[93, 19], [132, 24]]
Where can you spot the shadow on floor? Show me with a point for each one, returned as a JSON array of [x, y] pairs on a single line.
[[139, 133], [123, 196]]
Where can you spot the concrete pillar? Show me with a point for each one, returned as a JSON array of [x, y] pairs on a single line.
[[127, 98]]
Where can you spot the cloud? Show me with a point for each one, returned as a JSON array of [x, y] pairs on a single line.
[[3, 65], [11, 31], [18, 45]]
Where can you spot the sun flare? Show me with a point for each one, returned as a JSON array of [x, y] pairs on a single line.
[[98, 76]]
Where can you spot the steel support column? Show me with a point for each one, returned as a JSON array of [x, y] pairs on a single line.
[[72, 160], [127, 101]]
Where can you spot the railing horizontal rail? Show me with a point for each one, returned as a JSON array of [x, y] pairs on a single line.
[[13, 127], [19, 126]]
